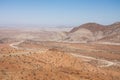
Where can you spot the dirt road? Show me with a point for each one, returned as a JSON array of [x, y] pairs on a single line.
[[14, 45], [104, 63]]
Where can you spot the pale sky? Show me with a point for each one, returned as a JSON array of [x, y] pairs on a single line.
[[59, 12]]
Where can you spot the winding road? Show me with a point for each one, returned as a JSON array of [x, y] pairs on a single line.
[[104, 63], [14, 45]]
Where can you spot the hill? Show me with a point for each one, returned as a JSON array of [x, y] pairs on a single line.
[[93, 32]]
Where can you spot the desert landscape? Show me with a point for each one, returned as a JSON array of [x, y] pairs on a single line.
[[59, 39], [88, 52]]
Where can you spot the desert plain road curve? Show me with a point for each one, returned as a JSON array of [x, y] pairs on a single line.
[[105, 63]]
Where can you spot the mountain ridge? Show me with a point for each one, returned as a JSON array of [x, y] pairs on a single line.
[[92, 32]]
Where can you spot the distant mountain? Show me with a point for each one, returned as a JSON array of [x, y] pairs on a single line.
[[89, 32], [91, 26], [112, 33], [93, 32]]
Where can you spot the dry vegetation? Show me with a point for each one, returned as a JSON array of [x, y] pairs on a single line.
[[109, 52], [6, 49], [53, 61], [51, 65], [55, 55]]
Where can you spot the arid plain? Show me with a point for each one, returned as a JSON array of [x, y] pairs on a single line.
[[87, 52]]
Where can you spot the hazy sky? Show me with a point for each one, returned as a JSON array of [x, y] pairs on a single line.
[[59, 12]]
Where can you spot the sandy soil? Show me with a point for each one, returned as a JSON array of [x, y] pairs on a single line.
[[58, 61]]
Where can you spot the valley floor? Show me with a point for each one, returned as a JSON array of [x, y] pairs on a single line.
[[37, 60]]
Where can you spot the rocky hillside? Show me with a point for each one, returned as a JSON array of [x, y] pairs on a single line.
[[92, 32]]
